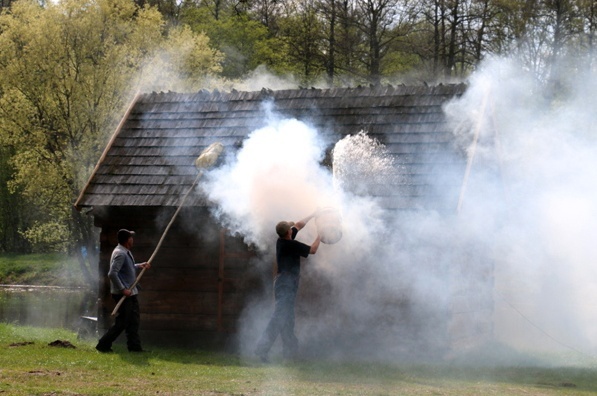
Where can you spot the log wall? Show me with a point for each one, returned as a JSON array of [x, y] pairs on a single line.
[[198, 282]]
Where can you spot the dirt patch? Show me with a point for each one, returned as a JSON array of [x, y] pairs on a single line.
[[19, 344], [44, 372], [61, 344]]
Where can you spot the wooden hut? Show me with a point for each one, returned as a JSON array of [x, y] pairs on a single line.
[[199, 283]]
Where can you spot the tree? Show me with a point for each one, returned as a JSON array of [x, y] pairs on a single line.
[[12, 215], [329, 11], [215, 9], [168, 8], [380, 23], [349, 41], [266, 12], [565, 25], [245, 43], [446, 18], [484, 33], [588, 14], [67, 72], [182, 62], [5, 4], [302, 28]]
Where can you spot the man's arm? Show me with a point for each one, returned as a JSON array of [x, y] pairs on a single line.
[[301, 223], [315, 245], [143, 265]]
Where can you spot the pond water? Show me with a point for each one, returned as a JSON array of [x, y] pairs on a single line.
[[72, 309]]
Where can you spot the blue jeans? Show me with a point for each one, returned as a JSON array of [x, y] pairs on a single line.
[[282, 320]]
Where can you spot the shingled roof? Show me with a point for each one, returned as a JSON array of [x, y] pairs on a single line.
[[150, 159]]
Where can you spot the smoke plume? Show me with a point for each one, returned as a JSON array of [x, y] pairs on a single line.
[[516, 254], [540, 218]]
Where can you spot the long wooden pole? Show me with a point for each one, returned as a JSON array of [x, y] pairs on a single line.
[[207, 158], [472, 152], [157, 248]]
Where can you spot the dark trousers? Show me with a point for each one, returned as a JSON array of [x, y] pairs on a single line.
[[127, 320], [282, 320]]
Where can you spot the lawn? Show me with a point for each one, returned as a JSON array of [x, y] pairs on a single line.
[[30, 366], [50, 269]]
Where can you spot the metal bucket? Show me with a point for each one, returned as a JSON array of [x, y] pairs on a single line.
[[329, 225]]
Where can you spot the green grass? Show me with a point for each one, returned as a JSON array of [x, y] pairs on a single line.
[[29, 366], [52, 269]]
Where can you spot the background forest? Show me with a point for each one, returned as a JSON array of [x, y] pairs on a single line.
[[70, 68]]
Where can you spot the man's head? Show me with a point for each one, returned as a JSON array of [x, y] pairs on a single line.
[[124, 236], [283, 227]]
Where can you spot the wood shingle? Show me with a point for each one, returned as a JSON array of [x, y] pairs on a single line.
[[150, 160]]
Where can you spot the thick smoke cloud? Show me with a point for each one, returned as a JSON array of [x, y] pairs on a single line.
[[275, 176], [541, 146], [516, 255]]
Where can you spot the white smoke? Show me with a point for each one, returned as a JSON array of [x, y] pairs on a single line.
[[543, 150], [261, 78], [274, 176], [277, 175], [525, 229]]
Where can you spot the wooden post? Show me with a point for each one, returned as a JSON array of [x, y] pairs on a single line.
[[471, 156]]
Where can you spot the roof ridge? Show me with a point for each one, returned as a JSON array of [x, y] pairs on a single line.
[[234, 94]]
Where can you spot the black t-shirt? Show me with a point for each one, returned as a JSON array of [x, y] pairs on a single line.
[[289, 252]]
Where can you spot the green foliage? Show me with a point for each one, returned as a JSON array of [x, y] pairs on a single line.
[[182, 62], [304, 37], [39, 269], [245, 43], [49, 236], [69, 69], [67, 73], [400, 64], [12, 213]]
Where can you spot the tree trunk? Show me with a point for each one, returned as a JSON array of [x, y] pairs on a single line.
[[331, 64], [451, 59]]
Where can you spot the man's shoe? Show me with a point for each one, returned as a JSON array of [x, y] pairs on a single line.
[[139, 350], [103, 350]]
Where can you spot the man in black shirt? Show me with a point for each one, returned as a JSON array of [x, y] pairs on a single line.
[[288, 258]]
